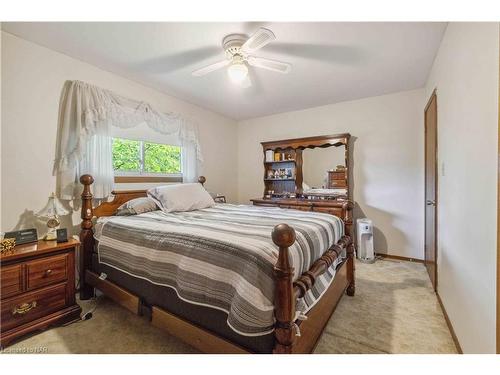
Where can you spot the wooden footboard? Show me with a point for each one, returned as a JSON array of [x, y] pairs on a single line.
[[286, 290]]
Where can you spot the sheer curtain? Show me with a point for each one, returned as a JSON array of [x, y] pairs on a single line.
[[98, 162], [84, 143], [190, 164]]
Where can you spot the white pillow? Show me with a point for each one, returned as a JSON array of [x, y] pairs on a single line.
[[181, 197]]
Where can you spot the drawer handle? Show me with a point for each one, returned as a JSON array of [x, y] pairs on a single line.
[[23, 308], [47, 273]]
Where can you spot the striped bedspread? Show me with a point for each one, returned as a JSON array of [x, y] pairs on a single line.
[[221, 257]]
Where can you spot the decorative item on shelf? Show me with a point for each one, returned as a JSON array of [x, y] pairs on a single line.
[[7, 245], [289, 157], [52, 210], [269, 155], [340, 168], [276, 156]]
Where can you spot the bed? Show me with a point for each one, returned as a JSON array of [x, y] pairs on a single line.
[[225, 279]]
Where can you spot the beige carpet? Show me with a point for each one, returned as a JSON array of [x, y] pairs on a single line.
[[394, 311]]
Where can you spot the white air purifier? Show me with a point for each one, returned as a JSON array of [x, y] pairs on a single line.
[[365, 241]]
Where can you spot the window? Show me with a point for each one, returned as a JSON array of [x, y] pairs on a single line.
[[141, 161]]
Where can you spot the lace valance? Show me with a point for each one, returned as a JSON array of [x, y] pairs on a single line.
[[87, 111]]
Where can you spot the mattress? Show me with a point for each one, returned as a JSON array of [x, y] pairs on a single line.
[[220, 259]]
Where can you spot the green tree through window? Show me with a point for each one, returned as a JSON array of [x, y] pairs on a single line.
[[161, 158], [126, 155], [145, 157]]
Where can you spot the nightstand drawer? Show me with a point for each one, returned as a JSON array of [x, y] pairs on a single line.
[[11, 280], [32, 305], [47, 271]]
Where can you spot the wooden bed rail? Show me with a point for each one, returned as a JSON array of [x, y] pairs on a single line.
[[308, 278]]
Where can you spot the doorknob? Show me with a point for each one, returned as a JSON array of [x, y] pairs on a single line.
[[430, 203]]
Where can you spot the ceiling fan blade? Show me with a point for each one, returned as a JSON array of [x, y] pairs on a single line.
[[210, 68], [258, 40], [275, 66]]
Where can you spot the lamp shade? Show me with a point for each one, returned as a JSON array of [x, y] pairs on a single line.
[[53, 208]]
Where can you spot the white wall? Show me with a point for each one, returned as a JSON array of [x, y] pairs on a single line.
[[465, 74], [32, 79], [388, 160]]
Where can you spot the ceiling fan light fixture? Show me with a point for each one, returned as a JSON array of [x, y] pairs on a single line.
[[240, 56], [237, 71]]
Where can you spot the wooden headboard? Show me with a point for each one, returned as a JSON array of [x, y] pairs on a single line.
[[119, 197]]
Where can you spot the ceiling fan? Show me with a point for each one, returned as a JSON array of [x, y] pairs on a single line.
[[239, 51]]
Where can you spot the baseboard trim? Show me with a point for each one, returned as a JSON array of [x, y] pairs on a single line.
[[389, 256], [450, 326]]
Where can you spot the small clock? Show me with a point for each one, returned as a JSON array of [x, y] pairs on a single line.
[[53, 222]]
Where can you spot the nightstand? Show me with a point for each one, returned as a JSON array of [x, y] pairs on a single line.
[[37, 288]]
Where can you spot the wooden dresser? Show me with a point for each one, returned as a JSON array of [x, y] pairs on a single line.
[[284, 174], [339, 208], [37, 288]]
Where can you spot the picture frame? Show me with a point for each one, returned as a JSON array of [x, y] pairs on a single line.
[[62, 235]]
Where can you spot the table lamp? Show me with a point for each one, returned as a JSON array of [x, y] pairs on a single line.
[[52, 210]]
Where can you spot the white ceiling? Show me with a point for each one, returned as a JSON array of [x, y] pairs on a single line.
[[331, 61]]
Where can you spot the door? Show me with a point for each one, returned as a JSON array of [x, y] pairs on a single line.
[[430, 251]]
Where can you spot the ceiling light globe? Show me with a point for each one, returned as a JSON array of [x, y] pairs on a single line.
[[237, 72]]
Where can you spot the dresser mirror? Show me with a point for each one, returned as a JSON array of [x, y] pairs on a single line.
[[317, 163]]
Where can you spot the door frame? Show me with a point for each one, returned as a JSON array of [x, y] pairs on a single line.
[[498, 223], [432, 96]]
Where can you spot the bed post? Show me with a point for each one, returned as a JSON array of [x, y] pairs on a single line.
[[284, 300], [351, 288], [86, 236], [202, 180]]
